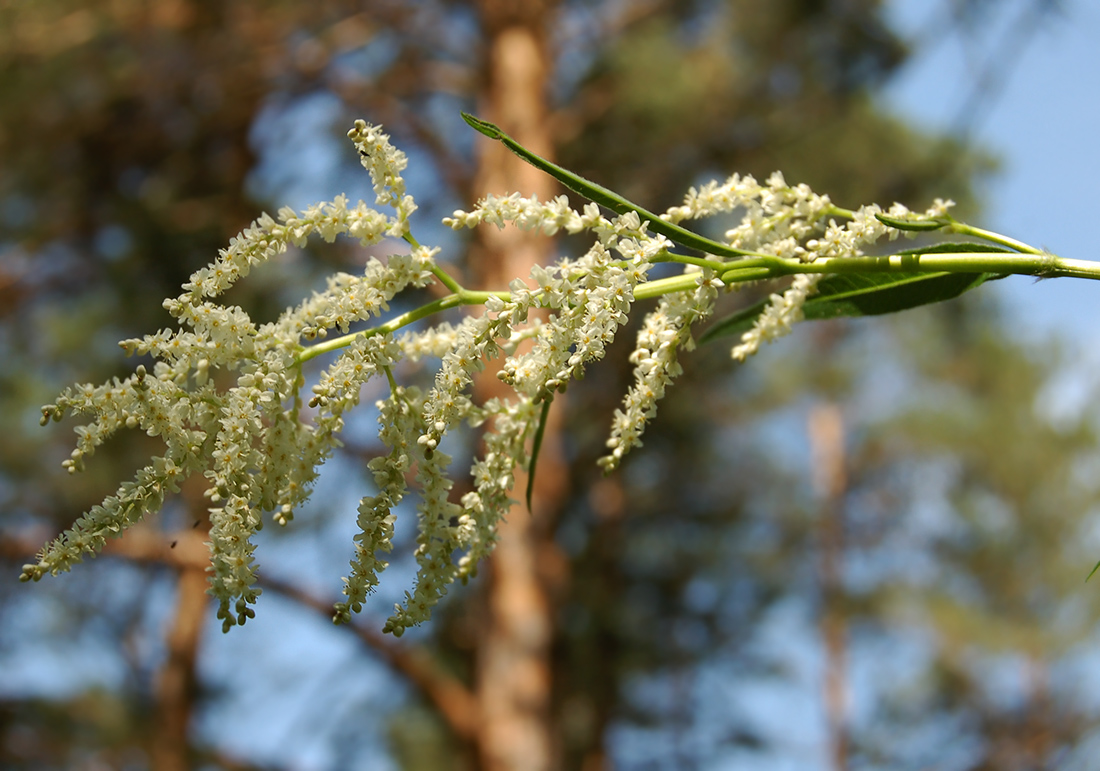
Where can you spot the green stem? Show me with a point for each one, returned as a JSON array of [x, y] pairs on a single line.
[[747, 266], [394, 388], [608, 198], [996, 238], [663, 286], [1032, 262], [444, 277], [464, 297], [837, 211], [684, 259]]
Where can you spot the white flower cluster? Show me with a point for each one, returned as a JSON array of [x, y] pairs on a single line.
[[252, 440], [664, 332], [783, 221], [528, 214], [776, 217], [225, 392]]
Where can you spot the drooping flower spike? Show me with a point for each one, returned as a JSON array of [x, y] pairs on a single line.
[[259, 443]]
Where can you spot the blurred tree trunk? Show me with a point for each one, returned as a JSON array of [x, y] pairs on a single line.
[[175, 689], [513, 680], [177, 684], [826, 429]]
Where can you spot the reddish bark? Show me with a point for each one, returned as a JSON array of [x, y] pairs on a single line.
[[513, 679], [826, 428]]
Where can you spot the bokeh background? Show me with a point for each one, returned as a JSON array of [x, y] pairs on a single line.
[[864, 549]]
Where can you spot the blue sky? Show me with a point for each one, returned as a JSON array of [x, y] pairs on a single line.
[[1043, 125]]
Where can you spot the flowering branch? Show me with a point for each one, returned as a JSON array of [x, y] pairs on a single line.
[[259, 444]]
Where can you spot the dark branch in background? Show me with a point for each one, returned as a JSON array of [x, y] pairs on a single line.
[[456, 704], [186, 550], [990, 78], [990, 83]]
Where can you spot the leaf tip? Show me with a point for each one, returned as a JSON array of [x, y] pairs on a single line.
[[912, 225], [1091, 572], [540, 432], [485, 127]]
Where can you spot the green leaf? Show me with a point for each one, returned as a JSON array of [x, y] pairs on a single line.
[[1091, 572], [957, 247], [871, 294], [539, 433], [601, 195], [914, 225]]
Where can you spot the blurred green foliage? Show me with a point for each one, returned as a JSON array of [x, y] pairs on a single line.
[[127, 141]]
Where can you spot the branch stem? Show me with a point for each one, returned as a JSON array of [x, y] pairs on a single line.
[[1035, 263], [1031, 263], [462, 297]]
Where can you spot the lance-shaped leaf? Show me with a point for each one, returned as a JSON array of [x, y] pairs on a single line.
[[1091, 572], [917, 225], [540, 432], [599, 194], [872, 294]]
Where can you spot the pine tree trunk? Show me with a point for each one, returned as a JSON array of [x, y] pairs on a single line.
[[176, 685], [513, 680], [826, 429]]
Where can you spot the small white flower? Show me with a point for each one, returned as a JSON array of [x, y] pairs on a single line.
[[665, 331], [777, 318]]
